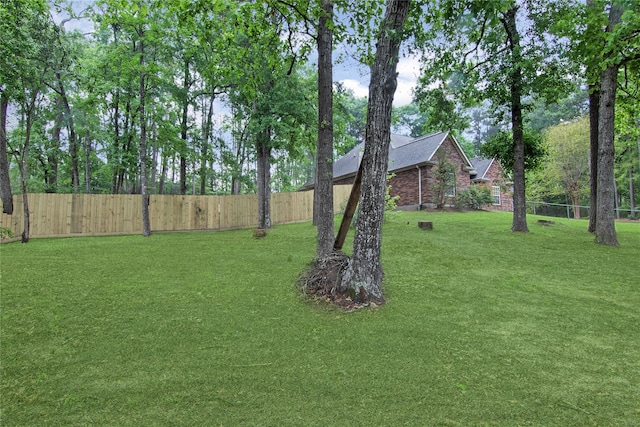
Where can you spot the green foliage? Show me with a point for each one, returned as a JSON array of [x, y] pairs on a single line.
[[444, 180], [500, 146], [186, 328], [566, 166], [442, 111], [5, 233], [474, 197], [468, 60], [390, 202]]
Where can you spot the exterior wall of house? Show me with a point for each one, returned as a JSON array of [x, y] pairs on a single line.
[[405, 183], [495, 175]]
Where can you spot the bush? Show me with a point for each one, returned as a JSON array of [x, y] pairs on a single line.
[[475, 197], [5, 232]]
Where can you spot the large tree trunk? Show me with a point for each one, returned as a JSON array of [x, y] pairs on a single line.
[[593, 78], [5, 179], [264, 179], [363, 274], [594, 107], [146, 224], [323, 196], [519, 223], [605, 216], [605, 219], [24, 166]]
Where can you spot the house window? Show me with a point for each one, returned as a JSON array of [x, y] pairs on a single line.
[[495, 192], [451, 185]]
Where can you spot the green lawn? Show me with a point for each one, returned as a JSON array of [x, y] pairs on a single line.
[[482, 327]]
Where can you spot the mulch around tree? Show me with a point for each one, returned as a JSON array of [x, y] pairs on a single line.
[[322, 282]]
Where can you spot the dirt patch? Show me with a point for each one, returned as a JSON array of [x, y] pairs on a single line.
[[322, 282]]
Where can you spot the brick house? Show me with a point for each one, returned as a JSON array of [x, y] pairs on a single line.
[[489, 173], [413, 163]]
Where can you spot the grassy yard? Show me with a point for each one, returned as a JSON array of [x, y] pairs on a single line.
[[482, 327]]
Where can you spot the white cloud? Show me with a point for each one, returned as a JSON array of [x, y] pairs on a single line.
[[359, 89], [408, 72]]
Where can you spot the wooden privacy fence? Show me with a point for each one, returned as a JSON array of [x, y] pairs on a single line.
[[58, 215]]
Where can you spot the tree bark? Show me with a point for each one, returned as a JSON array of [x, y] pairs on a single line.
[[323, 196], [87, 158], [632, 196], [363, 274], [605, 216], [264, 179], [146, 224], [519, 223], [184, 128], [5, 179], [24, 165], [594, 107]]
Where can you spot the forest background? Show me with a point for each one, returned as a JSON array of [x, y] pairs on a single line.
[[212, 76]]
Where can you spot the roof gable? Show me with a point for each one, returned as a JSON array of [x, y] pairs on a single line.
[[404, 152], [481, 165]]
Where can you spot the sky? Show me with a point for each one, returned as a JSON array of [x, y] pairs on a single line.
[[356, 77], [347, 70]]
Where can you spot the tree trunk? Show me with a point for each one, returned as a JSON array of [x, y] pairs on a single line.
[[87, 164], [605, 219], [264, 179], [575, 200], [183, 129], [517, 127], [363, 274], [632, 196], [206, 137], [24, 165], [73, 140], [116, 143], [323, 196], [154, 155], [605, 216], [5, 179], [146, 224], [163, 173], [594, 107]]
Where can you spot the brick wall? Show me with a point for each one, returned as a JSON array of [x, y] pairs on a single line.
[[495, 175], [405, 183]]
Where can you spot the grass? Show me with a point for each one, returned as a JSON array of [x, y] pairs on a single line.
[[482, 327]]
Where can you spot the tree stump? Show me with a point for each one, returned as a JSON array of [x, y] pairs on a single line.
[[425, 225]]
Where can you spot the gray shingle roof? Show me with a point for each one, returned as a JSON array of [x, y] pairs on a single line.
[[481, 165], [404, 152]]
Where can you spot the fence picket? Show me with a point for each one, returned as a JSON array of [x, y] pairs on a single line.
[[102, 214]]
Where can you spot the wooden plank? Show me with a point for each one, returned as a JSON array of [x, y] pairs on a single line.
[[349, 211]]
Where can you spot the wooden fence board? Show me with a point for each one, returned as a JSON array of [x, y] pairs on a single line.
[[102, 214]]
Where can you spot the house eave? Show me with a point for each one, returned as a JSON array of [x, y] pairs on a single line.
[[412, 167]]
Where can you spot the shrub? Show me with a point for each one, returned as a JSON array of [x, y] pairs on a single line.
[[5, 232], [475, 197]]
